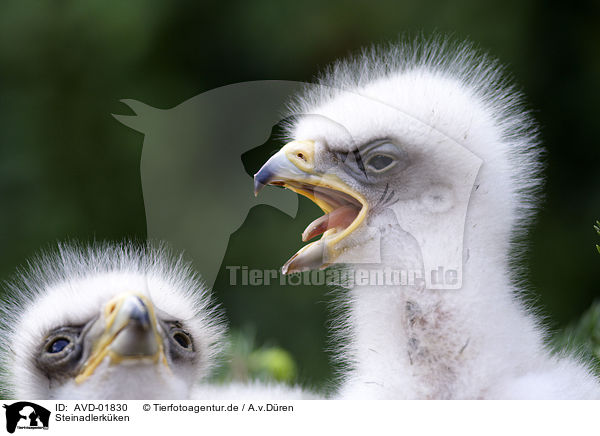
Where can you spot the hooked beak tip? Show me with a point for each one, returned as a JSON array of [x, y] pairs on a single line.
[[262, 178], [258, 186]]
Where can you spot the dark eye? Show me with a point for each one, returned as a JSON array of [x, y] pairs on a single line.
[[183, 339], [61, 352], [58, 345], [380, 162]]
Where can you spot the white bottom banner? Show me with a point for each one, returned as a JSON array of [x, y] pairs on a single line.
[[300, 417]]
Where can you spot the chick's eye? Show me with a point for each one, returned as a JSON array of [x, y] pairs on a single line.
[[58, 345], [183, 339], [380, 162]]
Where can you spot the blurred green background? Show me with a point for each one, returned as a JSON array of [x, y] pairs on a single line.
[[69, 170]]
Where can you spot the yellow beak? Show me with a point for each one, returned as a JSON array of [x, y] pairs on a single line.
[[294, 167], [129, 332]]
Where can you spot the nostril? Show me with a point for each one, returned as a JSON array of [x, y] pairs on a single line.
[[111, 308]]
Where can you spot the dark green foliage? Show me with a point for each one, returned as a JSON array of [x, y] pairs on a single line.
[[583, 336], [597, 228], [244, 361]]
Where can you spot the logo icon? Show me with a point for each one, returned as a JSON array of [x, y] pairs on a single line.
[[26, 415]]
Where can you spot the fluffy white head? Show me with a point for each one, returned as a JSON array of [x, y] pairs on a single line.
[[70, 289], [426, 130]]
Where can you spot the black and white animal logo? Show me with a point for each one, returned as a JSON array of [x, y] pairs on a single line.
[[26, 415]]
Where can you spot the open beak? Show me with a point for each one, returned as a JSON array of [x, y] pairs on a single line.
[[127, 330], [293, 167]]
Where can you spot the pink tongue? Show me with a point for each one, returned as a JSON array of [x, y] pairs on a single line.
[[341, 217]]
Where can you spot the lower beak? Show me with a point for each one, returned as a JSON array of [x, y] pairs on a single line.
[[130, 332]]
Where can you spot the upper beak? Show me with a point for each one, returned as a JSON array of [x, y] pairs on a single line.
[[294, 168], [127, 330], [295, 161]]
